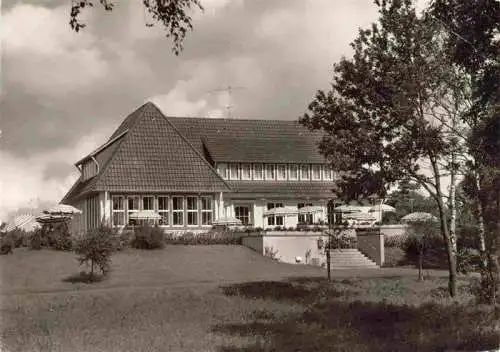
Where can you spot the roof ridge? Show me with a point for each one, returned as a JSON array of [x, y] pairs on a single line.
[[232, 119], [191, 146]]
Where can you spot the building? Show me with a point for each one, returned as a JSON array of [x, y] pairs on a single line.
[[192, 171]]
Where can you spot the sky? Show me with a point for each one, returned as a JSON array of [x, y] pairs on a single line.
[[63, 93]]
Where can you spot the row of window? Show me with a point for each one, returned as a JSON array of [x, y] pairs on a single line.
[[175, 210], [242, 213], [293, 172]]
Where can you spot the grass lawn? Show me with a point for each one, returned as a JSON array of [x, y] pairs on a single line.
[[228, 298]]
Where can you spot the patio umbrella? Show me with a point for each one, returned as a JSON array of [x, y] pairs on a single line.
[[227, 220], [384, 207], [360, 216], [418, 216], [310, 209], [347, 209], [280, 211], [51, 218], [145, 215], [63, 209]]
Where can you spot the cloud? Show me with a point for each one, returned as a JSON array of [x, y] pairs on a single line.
[[26, 182], [50, 60]]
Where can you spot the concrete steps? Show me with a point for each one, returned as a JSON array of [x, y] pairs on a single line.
[[350, 259]]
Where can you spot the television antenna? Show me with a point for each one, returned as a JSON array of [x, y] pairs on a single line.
[[229, 89]]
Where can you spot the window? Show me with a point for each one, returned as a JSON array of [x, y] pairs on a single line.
[[118, 210], [258, 173], [132, 207], [177, 211], [327, 173], [206, 210], [246, 171], [293, 173], [304, 172], [148, 203], [163, 211], [233, 171], [192, 210], [270, 172], [242, 213], [305, 218], [223, 171], [316, 172], [273, 220], [281, 171]]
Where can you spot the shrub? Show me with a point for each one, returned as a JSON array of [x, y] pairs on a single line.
[[6, 244], [208, 238], [396, 241], [58, 236], [36, 240], [148, 237], [122, 241], [96, 248]]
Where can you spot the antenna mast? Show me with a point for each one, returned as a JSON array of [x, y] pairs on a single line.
[[229, 89]]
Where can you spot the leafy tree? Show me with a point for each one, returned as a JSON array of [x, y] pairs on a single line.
[[391, 111], [171, 14], [95, 248], [475, 43]]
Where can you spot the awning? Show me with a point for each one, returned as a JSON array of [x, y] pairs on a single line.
[[281, 211], [226, 221], [347, 209], [52, 218], [63, 209], [310, 209], [145, 215], [384, 207]]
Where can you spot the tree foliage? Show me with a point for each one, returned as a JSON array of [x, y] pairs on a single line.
[[95, 248], [173, 15]]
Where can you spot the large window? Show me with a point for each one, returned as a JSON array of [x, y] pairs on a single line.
[[246, 171], [163, 210], [118, 210], [148, 203], [177, 211], [305, 218], [242, 213], [258, 172], [223, 171], [281, 171], [304, 172], [293, 173], [192, 210], [316, 172], [132, 207], [270, 172], [327, 173], [275, 220], [234, 171], [206, 210]]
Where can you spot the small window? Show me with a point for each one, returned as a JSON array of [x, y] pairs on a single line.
[[206, 210], [281, 171], [163, 210], [316, 172], [293, 173], [192, 210], [304, 172], [305, 218], [177, 211], [258, 173], [223, 171], [233, 172], [242, 213], [118, 210], [270, 172], [246, 171]]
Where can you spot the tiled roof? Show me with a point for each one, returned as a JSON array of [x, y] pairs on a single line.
[[152, 157], [251, 140], [296, 189]]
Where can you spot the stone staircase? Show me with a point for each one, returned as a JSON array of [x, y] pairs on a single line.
[[350, 259]]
